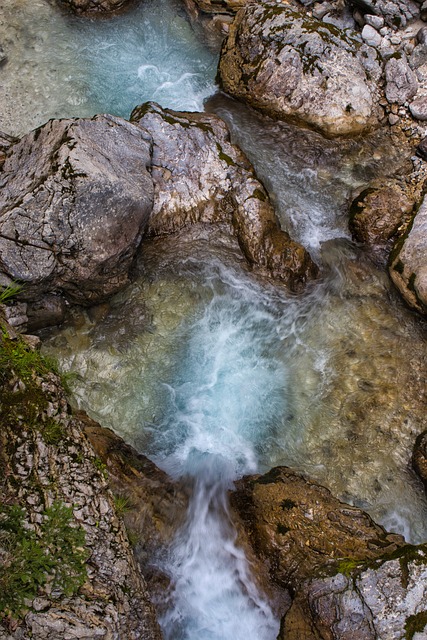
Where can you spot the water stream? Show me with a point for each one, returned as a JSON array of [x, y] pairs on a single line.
[[209, 370]]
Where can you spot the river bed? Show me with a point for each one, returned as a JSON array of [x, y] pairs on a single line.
[[212, 371]]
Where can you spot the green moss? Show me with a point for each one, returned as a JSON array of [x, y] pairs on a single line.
[[415, 624], [223, 156], [346, 566], [54, 555], [259, 194]]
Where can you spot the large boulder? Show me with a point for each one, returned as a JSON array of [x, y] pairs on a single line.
[[75, 200], [299, 528], [199, 176], [290, 65], [408, 263]]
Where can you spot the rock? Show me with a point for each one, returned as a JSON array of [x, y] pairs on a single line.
[[396, 13], [94, 6], [419, 457], [371, 36], [423, 13], [418, 56], [299, 528], [378, 211], [393, 119], [74, 202], [408, 264], [199, 176], [155, 506], [418, 108], [377, 22], [221, 6], [401, 81], [385, 601], [289, 65], [48, 311], [422, 35], [421, 150], [6, 142], [50, 464]]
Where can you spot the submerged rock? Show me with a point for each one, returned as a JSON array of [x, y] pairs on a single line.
[[299, 528], [199, 176], [408, 264], [94, 6], [75, 199], [290, 65], [378, 212]]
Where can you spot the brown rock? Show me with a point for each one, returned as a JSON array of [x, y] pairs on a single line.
[[299, 528], [419, 457], [378, 211]]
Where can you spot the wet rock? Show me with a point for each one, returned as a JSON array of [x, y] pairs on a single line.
[[199, 176], [155, 507], [299, 528], [94, 6], [401, 81], [419, 457], [48, 311], [289, 65], [378, 212], [75, 199], [385, 600], [408, 265]]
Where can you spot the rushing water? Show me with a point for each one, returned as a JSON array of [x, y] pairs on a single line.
[[60, 66], [210, 371]]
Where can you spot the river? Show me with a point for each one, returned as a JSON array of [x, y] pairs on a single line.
[[209, 370]]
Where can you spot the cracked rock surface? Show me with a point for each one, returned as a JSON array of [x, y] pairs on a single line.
[[199, 176], [290, 65], [75, 198]]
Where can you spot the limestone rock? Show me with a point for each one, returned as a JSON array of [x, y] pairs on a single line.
[[408, 264], [289, 65], [378, 211], [396, 13], [298, 527], [49, 461], [94, 6], [401, 81], [75, 199], [199, 176], [155, 506], [385, 601]]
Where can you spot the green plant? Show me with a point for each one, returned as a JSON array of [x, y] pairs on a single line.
[[122, 505], [54, 556], [9, 292], [346, 566], [101, 466]]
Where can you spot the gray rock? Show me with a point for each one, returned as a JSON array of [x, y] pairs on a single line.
[[377, 22], [408, 267], [396, 13], [75, 199], [422, 35], [289, 65], [371, 36], [199, 176], [401, 81], [418, 108], [418, 56], [6, 142], [384, 602]]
